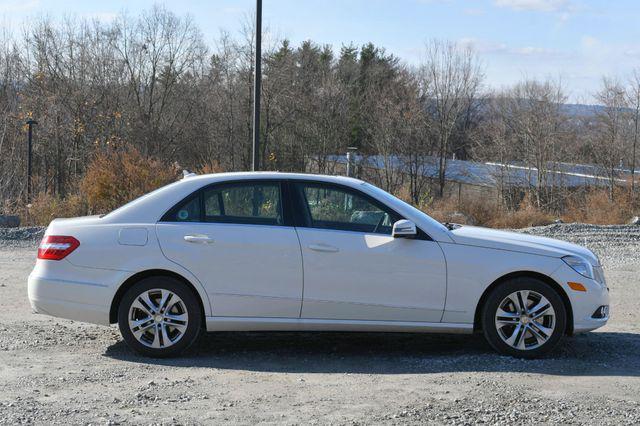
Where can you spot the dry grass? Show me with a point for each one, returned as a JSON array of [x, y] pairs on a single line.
[[473, 212], [586, 207], [597, 207]]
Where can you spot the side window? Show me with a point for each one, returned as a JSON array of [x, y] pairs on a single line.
[[343, 209], [189, 211], [251, 203]]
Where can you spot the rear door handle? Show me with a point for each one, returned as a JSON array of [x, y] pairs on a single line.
[[198, 239], [324, 248]]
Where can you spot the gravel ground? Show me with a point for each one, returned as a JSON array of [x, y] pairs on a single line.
[[54, 371]]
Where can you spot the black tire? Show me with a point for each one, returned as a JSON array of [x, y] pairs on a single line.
[[499, 294], [190, 304]]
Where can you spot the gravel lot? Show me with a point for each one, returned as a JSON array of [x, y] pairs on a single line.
[[58, 371]]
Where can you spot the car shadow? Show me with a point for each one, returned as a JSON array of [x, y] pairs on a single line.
[[590, 354]]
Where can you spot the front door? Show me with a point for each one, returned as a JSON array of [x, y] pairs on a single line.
[[355, 270], [235, 239]]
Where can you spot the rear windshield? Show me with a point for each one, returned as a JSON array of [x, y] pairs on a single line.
[[142, 197]]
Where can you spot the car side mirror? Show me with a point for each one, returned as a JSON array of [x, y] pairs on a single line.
[[404, 229]]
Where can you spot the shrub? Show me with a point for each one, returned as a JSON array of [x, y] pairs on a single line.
[[46, 207], [114, 178], [598, 208], [525, 216], [471, 212]]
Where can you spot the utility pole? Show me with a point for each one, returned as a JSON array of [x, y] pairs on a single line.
[[30, 123], [257, 81], [350, 154]]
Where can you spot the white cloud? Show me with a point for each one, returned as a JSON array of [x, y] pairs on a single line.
[[484, 47], [534, 5]]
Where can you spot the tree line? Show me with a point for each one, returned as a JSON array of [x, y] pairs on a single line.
[[152, 84]]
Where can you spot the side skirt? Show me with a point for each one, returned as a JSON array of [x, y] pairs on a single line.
[[305, 324]]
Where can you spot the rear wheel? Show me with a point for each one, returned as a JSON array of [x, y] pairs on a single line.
[[159, 317], [524, 317]]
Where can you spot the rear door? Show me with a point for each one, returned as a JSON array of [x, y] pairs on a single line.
[[354, 269], [237, 239]]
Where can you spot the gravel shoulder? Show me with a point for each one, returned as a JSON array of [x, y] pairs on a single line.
[[54, 371]]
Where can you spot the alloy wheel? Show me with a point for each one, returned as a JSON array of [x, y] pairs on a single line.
[[525, 320], [158, 318]]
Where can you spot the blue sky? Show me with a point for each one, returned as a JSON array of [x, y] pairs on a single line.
[[577, 41]]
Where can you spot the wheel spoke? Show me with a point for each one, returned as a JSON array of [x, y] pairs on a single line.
[[514, 339], [506, 318], [156, 337], [540, 309], [165, 335], [141, 327], [523, 297], [138, 304], [145, 300], [542, 329], [164, 301], [538, 336]]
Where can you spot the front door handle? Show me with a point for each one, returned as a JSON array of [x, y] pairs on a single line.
[[324, 248], [198, 239]]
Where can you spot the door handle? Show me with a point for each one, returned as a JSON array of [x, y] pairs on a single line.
[[198, 239], [324, 248]]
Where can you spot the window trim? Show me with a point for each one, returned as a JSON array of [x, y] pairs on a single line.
[[285, 209], [302, 214]]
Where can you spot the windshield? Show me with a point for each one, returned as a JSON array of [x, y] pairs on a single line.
[[392, 199]]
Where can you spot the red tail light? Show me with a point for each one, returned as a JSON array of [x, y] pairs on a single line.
[[56, 247]]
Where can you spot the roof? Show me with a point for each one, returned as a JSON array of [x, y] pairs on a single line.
[[220, 177]]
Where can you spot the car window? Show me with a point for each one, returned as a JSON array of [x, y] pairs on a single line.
[[252, 203], [249, 203], [189, 211], [344, 209]]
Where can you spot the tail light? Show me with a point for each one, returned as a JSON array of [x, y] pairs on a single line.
[[56, 247]]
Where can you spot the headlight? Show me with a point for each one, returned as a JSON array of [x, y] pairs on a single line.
[[579, 265]]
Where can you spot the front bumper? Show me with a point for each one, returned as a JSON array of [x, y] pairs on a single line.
[[584, 303]]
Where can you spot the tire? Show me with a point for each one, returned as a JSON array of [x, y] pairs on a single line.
[[156, 331], [528, 333]]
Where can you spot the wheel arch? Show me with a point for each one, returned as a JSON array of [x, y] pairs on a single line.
[[477, 321], [135, 278]]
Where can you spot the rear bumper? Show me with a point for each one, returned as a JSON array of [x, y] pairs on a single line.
[[73, 300]]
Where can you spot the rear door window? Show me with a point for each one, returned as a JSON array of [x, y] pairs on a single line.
[[252, 203], [258, 203]]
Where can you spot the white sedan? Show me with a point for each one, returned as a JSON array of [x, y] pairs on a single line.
[[280, 251]]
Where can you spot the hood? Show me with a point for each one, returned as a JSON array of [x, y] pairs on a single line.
[[524, 243]]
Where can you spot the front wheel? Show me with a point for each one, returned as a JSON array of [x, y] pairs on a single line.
[[524, 317], [159, 317]]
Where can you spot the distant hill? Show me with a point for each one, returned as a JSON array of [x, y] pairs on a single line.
[[581, 110]]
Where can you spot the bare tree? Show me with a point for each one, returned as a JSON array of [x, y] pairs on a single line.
[[451, 78], [633, 101], [612, 126]]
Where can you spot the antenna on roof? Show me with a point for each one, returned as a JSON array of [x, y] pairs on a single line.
[[187, 174]]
